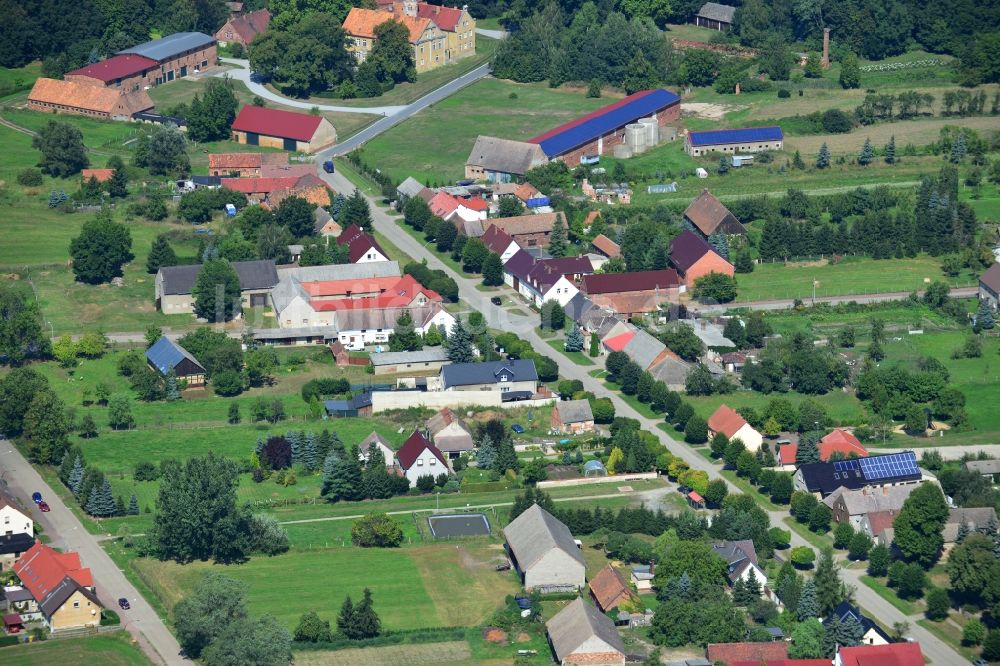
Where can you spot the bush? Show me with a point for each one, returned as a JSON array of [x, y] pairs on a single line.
[[803, 557], [29, 177], [784, 93], [109, 618], [376, 530], [146, 471]]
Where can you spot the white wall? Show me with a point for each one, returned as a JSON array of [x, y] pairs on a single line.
[[13, 521], [426, 464]]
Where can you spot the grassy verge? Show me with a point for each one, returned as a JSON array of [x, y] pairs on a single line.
[[577, 357], [114, 649], [749, 489], [951, 635], [881, 590], [633, 402], [817, 541]]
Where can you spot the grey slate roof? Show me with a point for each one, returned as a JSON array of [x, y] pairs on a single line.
[[333, 272], [15, 543], [643, 348], [167, 47], [254, 275], [534, 533], [368, 320], [709, 333], [397, 358], [974, 519], [577, 623], [410, 187], [859, 502], [465, 374], [574, 411], [716, 12], [373, 438], [983, 466], [672, 371], [63, 591], [505, 156]]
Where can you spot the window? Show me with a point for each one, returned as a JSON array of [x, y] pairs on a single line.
[[504, 377], [76, 604], [420, 463], [433, 462]]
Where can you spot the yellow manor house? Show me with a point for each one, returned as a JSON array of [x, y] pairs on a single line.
[[439, 35]]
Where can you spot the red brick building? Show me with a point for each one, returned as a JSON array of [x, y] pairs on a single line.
[[694, 258], [126, 71], [242, 29], [82, 99], [630, 294], [598, 132], [177, 55]]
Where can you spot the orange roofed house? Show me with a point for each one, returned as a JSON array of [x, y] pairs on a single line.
[[609, 589], [840, 442], [438, 35], [243, 165], [242, 29], [82, 99], [62, 589], [728, 421], [695, 258]]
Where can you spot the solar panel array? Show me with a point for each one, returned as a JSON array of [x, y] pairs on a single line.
[[846, 465], [890, 466], [741, 135]]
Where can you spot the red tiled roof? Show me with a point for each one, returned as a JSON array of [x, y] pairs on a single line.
[[881, 520], [610, 283], [695, 497], [841, 441], [731, 653], [265, 185], [445, 18], [893, 654], [102, 175], [687, 248], [443, 204], [41, 569], [344, 287], [620, 341], [250, 25], [116, 67], [783, 662], [787, 453], [475, 203], [412, 448], [726, 420], [362, 23], [609, 588], [606, 246], [274, 122], [400, 293]]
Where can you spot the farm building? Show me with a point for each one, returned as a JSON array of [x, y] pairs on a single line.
[[581, 634], [823, 478], [178, 55], [429, 360], [727, 420], [242, 29], [631, 294], [571, 417], [166, 356], [715, 16], [529, 230], [707, 215], [502, 160], [989, 286], [245, 165], [695, 258], [609, 589], [544, 552], [174, 285], [746, 139], [288, 130], [81, 99], [128, 72], [600, 131]]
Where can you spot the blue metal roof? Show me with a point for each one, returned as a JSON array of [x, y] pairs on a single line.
[[166, 354], [564, 138], [170, 46], [746, 134]]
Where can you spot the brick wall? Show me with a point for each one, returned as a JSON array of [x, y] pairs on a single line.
[[203, 59], [710, 263]]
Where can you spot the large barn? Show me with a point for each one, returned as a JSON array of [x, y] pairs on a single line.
[[544, 552], [274, 128], [598, 132], [742, 140]]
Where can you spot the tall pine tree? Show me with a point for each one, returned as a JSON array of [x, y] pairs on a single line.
[[808, 603], [459, 344], [823, 159], [866, 154], [76, 476], [890, 150], [101, 502], [557, 240]]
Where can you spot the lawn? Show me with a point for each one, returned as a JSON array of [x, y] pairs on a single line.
[[17, 79], [434, 585], [113, 649], [580, 358], [841, 407], [879, 587], [433, 145]]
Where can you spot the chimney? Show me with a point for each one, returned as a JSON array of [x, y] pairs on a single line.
[[826, 48]]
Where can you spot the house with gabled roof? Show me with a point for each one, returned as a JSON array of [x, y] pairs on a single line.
[[514, 376], [838, 443], [572, 417], [873, 634], [243, 165], [609, 589], [244, 28], [906, 653], [82, 99], [502, 160], [362, 248], [606, 246], [885, 470], [707, 215], [376, 441], [499, 243], [581, 634], [632, 294], [732, 653], [554, 279], [529, 231], [741, 559], [989, 285], [450, 433], [544, 552], [728, 421], [288, 130], [426, 39], [174, 285], [61, 586], [715, 16], [418, 457], [694, 258], [166, 356]]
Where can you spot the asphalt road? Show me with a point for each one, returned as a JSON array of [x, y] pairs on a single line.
[[66, 532], [501, 318]]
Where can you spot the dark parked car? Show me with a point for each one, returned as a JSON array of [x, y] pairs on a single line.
[[123, 603], [36, 497], [518, 428], [328, 166], [43, 507], [496, 300]]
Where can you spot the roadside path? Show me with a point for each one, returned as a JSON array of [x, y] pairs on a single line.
[[500, 318], [67, 532], [786, 303]]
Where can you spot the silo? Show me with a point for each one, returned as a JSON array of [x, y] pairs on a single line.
[[635, 138], [652, 131]]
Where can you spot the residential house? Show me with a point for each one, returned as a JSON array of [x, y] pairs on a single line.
[[62, 588], [715, 16], [258, 190], [81, 99], [166, 356], [606, 246], [325, 225], [894, 654], [406, 190], [544, 552], [178, 55], [609, 590], [418, 457], [426, 39], [851, 506], [581, 634], [649, 354], [244, 28], [977, 519], [742, 140], [741, 560], [894, 469], [599, 132], [873, 634], [100, 175], [376, 441], [987, 468], [707, 215], [450, 433], [243, 165], [727, 420], [127, 73], [694, 258], [554, 279], [989, 286], [879, 526], [516, 377], [422, 362], [13, 519], [710, 333], [359, 328], [499, 243], [529, 231], [572, 417], [174, 284], [588, 315], [362, 248], [839, 443], [631, 294], [288, 130], [733, 653], [642, 577], [502, 160], [516, 269], [529, 196]]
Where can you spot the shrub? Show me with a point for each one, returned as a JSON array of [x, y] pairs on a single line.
[[109, 618], [29, 177], [146, 471], [377, 530], [784, 93], [803, 557]]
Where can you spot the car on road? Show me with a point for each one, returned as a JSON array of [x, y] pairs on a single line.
[[328, 166], [36, 497], [43, 507], [518, 428], [496, 300], [123, 603]]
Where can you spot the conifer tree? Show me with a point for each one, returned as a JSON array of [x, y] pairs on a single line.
[[160, 255], [808, 604], [866, 154], [829, 588], [984, 316], [557, 240], [723, 168], [345, 620], [823, 159], [366, 621], [295, 442], [595, 345], [76, 476], [506, 458], [172, 391], [486, 454], [574, 341], [720, 244], [890, 150], [101, 503], [958, 149], [460, 344], [234, 413], [807, 451], [133, 505], [797, 162], [309, 459], [344, 479]]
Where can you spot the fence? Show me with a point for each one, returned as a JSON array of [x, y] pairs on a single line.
[[641, 476]]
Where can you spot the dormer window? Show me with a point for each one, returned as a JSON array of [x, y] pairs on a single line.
[[504, 377]]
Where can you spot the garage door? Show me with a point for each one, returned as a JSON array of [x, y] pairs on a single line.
[[253, 139]]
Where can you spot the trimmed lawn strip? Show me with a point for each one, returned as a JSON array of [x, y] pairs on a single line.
[[429, 245], [817, 541], [124, 557], [633, 402], [577, 357], [114, 649], [750, 490], [951, 635], [903, 606]]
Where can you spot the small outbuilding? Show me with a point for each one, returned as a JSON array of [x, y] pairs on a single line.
[[544, 552], [715, 16], [609, 589], [572, 417], [581, 634], [167, 356], [274, 128]]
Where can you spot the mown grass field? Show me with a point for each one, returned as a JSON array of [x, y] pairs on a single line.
[[107, 650], [434, 144]]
